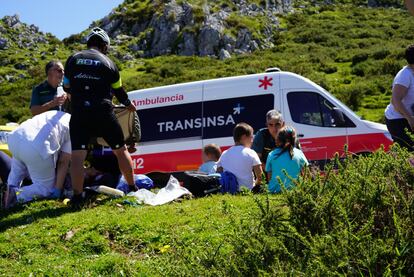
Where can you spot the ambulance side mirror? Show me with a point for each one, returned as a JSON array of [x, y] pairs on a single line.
[[338, 117]]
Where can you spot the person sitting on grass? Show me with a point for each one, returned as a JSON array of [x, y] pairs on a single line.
[[285, 162], [240, 159], [211, 154]]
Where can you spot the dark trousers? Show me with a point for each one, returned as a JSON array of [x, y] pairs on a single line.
[[5, 165], [397, 128]]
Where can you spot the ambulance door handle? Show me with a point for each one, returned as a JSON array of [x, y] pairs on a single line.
[[301, 135]]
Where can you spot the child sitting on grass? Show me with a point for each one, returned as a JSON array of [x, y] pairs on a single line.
[[286, 157], [240, 159], [211, 154]]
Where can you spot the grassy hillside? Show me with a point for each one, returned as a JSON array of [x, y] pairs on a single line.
[[351, 51], [23, 61], [354, 52], [356, 220]]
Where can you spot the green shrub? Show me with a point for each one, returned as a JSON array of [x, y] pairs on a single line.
[[381, 54], [391, 66], [359, 58], [362, 208], [352, 94]]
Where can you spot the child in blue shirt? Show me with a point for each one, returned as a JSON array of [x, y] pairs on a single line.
[[285, 157], [211, 154]]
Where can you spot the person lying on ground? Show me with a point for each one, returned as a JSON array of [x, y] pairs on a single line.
[[94, 177]]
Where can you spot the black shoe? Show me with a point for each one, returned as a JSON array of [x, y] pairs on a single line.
[[132, 188], [76, 202]]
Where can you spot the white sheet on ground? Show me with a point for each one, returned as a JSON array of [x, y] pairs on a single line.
[[170, 192]]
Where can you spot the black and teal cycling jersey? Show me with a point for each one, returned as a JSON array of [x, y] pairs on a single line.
[[91, 77]]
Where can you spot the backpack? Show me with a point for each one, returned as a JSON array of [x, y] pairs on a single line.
[[228, 182], [130, 125], [200, 184]]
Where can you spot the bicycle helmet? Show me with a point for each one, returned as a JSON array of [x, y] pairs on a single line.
[[96, 31]]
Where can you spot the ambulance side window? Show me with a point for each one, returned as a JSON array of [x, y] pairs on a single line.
[[310, 108]]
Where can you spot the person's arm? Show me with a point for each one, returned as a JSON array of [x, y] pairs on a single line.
[[122, 97], [269, 175], [62, 169], [258, 172], [38, 109], [66, 77], [304, 164], [118, 90], [63, 161], [258, 144], [398, 93], [61, 172]]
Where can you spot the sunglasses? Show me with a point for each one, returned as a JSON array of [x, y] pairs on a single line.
[[60, 70]]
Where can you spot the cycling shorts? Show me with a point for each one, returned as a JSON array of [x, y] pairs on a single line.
[[88, 125]]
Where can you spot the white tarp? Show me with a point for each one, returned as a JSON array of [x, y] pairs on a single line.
[[170, 192]]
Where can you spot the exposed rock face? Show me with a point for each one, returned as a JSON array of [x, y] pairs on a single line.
[[224, 54], [20, 38], [3, 43], [184, 29], [12, 21], [178, 27], [27, 36]]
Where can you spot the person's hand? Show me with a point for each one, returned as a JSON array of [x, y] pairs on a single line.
[[59, 100], [131, 108], [257, 188], [55, 194]]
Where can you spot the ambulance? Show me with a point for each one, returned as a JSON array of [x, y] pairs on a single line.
[[178, 120]]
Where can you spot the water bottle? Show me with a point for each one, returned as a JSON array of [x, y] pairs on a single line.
[[59, 93]]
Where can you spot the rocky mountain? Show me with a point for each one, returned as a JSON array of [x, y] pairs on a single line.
[[203, 28], [22, 46], [346, 46], [26, 36]]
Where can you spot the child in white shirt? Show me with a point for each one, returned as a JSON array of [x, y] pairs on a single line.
[[240, 159]]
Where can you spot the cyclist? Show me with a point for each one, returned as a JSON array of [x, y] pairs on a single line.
[[90, 77]]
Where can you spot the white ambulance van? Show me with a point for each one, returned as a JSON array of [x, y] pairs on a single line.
[[178, 120]]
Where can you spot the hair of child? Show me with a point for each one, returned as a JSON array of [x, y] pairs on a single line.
[[286, 139], [242, 129], [212, 149]]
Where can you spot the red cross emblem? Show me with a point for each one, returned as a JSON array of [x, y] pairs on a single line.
[[265, 82]]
